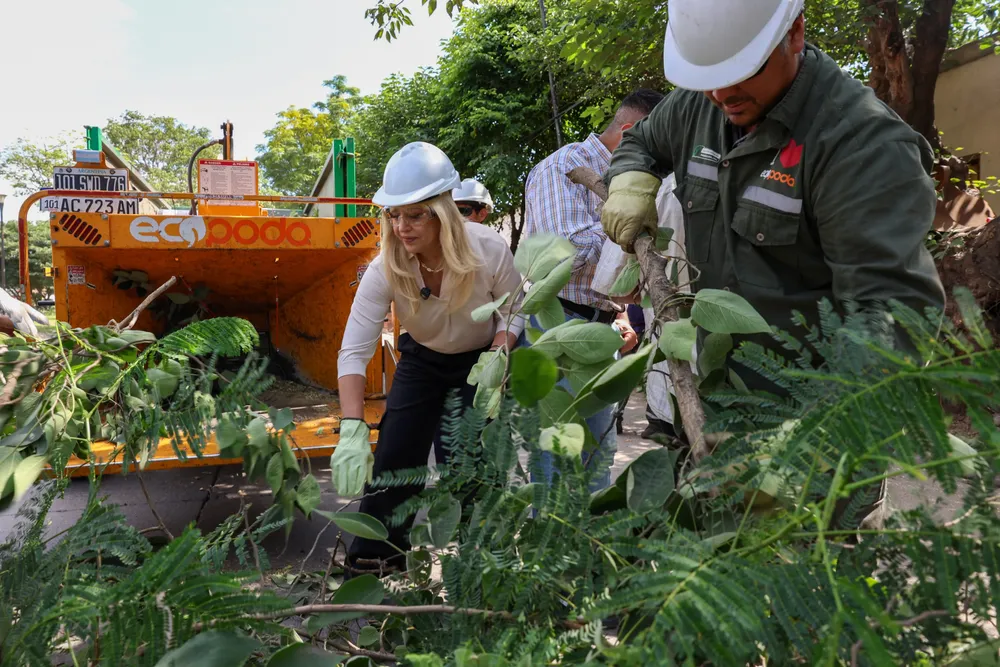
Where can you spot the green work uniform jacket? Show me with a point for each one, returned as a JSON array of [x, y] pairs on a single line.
[[829, 196]]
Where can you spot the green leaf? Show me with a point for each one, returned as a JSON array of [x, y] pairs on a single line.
[[135, 337], [677, 339], [624, 375], [550, 315], [581, 374], [368, 636], [532, 334], [442, 520], [288, 457], [538, 254], [738, 382], [663, 237], [275, 473], [720, 311], [257, 433], [359, 661], [489, 370], [551, 335], [570, 438], [164, 382], [418, 563], [627, 280], [27, 473], [308, 494], [533, 374], [420, 536], [304, 655], [8, 466], [485, 312], [959, 447], [366, 589], [588, 343], [358, 524], [230, 437], [488, 400], [547, 288], [714, 351], [650, 480], [215, 648], [552, 408], [178, 298], [281, 419]]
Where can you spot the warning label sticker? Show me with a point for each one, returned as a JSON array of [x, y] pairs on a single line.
[[77, 274]]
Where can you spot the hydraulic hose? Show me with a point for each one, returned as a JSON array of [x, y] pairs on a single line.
[[194, 202]]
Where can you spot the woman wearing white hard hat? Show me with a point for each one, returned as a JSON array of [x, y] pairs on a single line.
[[437, 268], [473, 200]]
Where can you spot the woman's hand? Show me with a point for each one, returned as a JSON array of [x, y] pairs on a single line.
[[505, 340]]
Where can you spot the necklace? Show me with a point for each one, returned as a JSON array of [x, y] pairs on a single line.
[[430, 270]]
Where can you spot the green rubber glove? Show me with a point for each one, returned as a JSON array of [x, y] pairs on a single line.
[[352, 460], [631, 207]]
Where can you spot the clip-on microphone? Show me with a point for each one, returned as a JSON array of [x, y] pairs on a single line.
[[425, 293]]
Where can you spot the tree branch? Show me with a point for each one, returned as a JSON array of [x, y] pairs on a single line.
[[152, 507], [130, 321], [398, 610], [661, 292], [347, 647]]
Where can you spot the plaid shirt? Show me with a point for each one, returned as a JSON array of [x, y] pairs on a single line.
[[555, 205]]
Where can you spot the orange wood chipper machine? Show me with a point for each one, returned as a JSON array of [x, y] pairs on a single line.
[[294, 278]]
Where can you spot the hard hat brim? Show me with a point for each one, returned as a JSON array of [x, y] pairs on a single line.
[[384, 199], [735, 69]]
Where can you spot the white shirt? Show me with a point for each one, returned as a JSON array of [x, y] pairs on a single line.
[[432, 325]]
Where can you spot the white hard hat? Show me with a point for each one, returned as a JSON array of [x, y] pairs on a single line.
[[416, 172], [712, 44], [472, 190]]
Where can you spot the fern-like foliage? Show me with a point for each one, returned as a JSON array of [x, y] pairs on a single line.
[[101, 591], [758, 554], [222, 336]]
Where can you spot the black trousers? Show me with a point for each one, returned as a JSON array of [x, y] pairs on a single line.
[[412, 421]]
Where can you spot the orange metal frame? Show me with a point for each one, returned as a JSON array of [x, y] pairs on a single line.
[[159, 242], [22, 216]]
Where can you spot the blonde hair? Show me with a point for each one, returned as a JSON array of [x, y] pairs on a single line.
[[460, 260]]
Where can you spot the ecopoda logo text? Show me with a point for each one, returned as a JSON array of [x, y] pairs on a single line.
[[173, 230], [221, 231]]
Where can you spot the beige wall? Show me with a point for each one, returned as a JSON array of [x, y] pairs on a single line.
[[967, 111]]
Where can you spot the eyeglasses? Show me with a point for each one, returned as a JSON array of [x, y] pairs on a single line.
[[468, 209], [397, 217]]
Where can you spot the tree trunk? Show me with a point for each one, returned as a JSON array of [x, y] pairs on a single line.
[[892, 79], [905, 76], [516, 226], [930, 41]]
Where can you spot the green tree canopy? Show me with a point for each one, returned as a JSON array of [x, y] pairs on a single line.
[[623, 40], [159, 147], [28, 165], [296, 147], [486, 104]]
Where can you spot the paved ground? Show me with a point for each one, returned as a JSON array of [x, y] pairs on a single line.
[[206, 496]]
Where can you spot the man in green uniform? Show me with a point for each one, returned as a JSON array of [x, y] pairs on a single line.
[[796, 182]]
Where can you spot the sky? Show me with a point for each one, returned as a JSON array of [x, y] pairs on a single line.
[[70, 63]]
